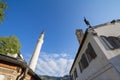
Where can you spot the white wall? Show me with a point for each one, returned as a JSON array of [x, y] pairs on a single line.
[[106, 66], [109, 29], [96, 64], [112, 55], [109, 74]]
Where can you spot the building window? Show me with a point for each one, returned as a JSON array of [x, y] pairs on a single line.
[[107, 42], [84, 61], [75, 74], [90, 53], [87, 57], [80, 66], [72, 77], [115, 41], [111, 41]]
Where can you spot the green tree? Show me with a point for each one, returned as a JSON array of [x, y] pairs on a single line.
[[9, 45], [3, 6]]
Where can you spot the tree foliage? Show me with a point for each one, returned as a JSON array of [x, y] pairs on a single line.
[[3, 6], [9, 45]]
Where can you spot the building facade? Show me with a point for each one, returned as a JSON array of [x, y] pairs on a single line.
[[98, 57], [15, 69]]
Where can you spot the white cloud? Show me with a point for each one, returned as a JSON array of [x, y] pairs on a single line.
[[54, 64], [64, 55]]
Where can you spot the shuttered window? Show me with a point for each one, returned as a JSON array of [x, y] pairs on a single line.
[[72, 77], [91, 51], [87, 57], [80, 66], [75, 73], [111, 41], [84, 61]]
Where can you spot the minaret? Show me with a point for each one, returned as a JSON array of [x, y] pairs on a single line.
[[35, 55]]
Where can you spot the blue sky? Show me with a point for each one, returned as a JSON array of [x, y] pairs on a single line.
[[59, 19]]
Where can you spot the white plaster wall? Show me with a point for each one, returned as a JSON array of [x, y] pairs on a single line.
[[109, 29], [99, 68], [112, 55], [107, 62], [110, 74], [106, 71], [77, 61], [95, 65]]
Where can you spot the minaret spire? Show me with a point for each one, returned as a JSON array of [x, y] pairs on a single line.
[[35, 55]]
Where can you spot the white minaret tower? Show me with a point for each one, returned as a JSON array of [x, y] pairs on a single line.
[[35, 55]]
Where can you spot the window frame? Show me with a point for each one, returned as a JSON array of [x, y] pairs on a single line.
[[112, 42], [84, 61], [91, 51], [75, 73], [87, 57], [80, 66]]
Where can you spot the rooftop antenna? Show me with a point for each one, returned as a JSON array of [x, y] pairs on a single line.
[[90, 28], [87, 23]]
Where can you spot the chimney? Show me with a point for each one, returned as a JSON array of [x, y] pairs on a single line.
[[79, 34]]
